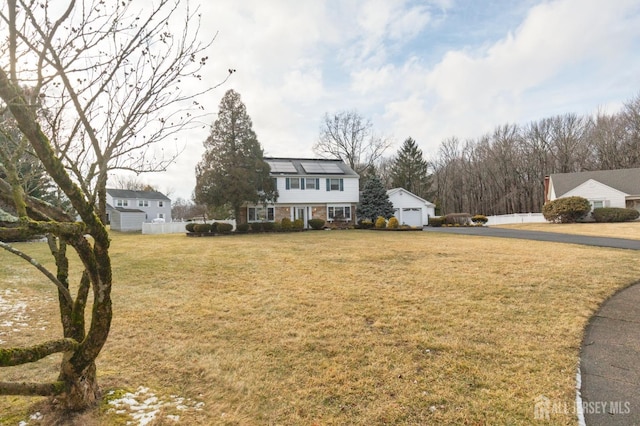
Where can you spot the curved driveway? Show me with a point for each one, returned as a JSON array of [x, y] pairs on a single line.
[[609, 376], [485, 231]]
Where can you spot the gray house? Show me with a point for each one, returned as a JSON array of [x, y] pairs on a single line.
[[603, 188], [127, 210]]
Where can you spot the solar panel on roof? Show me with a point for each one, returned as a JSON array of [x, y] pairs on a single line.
[[282, 167], [325, 168]]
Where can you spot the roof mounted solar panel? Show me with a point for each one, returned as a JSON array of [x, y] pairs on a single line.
[[282, 167], [322, 168]]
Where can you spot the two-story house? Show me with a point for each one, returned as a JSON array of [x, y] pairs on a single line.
[[309, 189], [127, 210]]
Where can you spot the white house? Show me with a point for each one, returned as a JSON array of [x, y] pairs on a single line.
[[409, 208], [127, 210], [603, 188], [309, 189]]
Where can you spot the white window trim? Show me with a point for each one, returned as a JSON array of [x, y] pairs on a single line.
[[266, 215], [334, 206]]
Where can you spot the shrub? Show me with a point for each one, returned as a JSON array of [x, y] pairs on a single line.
[[393, 223], [365, 224], [214, 227], [436, 222], [242, 228], [566, 210], [614, 214], [190, 227], [202, 227], [276, 226], [257, 227], [286, 224], [316, 223], [224, 228], [457, 219], [381, 222], [479, 219], [268, 226], [298, 225]]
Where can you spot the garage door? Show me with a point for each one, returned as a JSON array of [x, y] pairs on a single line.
[[412, 216]]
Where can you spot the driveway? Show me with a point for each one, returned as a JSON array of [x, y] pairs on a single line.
[[554, 237]]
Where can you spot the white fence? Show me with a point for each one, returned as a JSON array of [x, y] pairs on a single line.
[[174, 227], [506, 219]]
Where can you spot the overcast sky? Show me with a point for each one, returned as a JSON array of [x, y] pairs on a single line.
[[422, 69]]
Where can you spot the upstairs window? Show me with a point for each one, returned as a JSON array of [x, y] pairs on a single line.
[[143, 203], [160, 203], [122, 203], [335, 185]]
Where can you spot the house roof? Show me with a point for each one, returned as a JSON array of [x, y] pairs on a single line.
[[138, 195], [308, 167], [124, 210], [624, 180], [390, 192]]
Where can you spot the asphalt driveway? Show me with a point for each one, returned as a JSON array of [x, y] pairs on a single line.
[[554, 237]]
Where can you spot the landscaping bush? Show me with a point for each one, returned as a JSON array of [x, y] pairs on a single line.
[[268, 226], [479, 219], [202, 227], [566, 210], [381, 222], [242, 228], [436, 222], [190, 227], [393, 223], [257, 227], [224, 228], [614, 214], [286, 224], [457, 219], [276, 226], [214, 227], [298, 225], [365, 224], [316, 223]]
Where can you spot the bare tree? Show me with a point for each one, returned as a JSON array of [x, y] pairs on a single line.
[[349, 137], [92, 87]]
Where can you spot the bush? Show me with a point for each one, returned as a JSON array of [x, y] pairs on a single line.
[[393, 223], [479, 219], [224, 228], [316, 223], [381, 222], [566, 210], [436, 222], [214, 227], [298, 225], [257, 227], [276, 226], [614, 214], [190, 227], [365, 224], [202, 227], [268, 226], [242, 228], [457, 219], [286, 225]]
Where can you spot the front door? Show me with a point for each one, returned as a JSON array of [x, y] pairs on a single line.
[[299, 214]]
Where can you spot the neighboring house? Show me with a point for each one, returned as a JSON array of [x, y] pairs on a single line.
[[127, 210], [309, 189], [603, 188], [410, 209]]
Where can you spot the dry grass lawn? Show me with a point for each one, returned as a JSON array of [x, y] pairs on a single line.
[[616, 230], [332, 328]]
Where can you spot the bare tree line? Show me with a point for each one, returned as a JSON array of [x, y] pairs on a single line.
[[503, 172]]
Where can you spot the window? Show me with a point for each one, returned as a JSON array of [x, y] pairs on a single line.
[[339, 213], [143, 203], [597, 204], [260, 214], [160, 215], [311, 183], [160, 203], [294, 183], [122, 203], [335, 185]]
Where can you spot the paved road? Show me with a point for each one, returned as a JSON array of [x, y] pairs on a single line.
[[487, 231], [610, 352]]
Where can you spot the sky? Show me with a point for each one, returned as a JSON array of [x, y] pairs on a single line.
[[430, 69]]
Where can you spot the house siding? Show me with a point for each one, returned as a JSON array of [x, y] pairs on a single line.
[[596, 191], [349, 194], [403, 199]]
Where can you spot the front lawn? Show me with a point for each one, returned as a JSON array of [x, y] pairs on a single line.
[[330, 327]]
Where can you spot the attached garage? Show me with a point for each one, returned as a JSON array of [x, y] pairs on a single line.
[[409, 208]]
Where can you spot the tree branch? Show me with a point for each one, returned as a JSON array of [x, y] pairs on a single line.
[[17, 356], [32, 389]]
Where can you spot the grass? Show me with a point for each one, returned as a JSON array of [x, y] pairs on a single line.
[[333, 328], [617, 230]]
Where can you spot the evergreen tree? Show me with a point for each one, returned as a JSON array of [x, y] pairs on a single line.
[[232, 170], [409, 170], [374, 201]]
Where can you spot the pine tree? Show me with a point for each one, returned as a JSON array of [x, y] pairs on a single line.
[[374, 201], [232, 170], [409, 170]]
